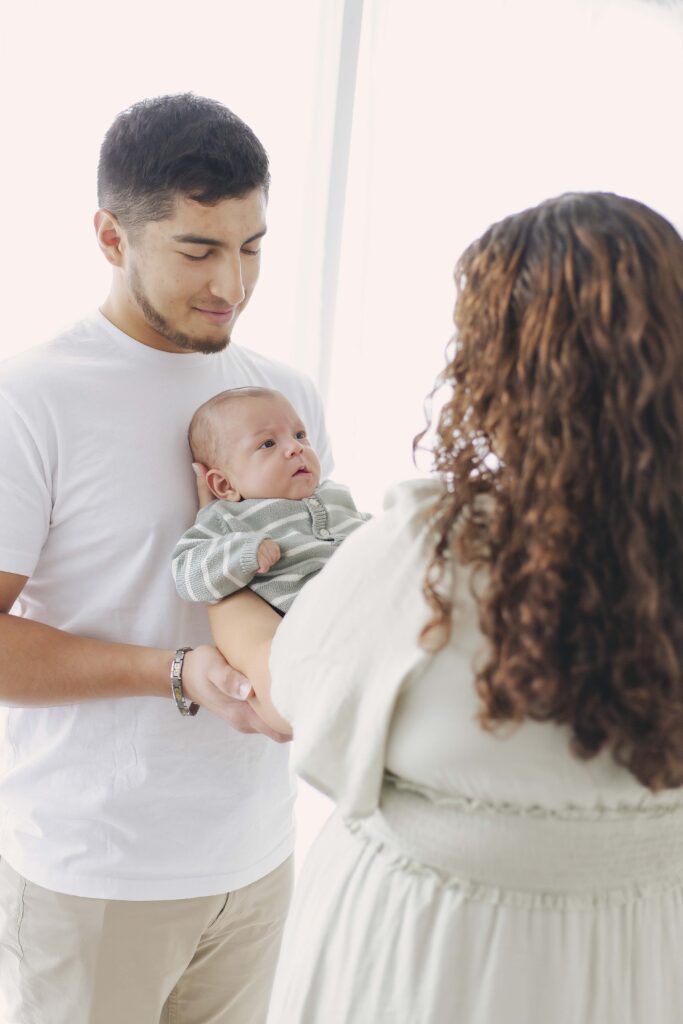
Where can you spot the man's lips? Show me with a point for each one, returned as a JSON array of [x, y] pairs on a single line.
[[217, 316]]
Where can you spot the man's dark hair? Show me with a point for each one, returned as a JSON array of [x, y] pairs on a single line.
[[182, 144]]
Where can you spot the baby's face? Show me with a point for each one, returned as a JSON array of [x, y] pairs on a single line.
[[267, 451]]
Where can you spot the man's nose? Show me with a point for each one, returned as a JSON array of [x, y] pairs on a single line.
[[227, 282]]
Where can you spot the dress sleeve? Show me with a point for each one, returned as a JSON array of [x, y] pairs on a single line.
[[25, 493], [349, 645]]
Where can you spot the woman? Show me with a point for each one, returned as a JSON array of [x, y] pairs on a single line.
[[488, 680]]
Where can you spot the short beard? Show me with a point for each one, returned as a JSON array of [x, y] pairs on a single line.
[[154, 318]]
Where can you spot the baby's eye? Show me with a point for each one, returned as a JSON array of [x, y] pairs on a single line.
[[300, 435], [268, 444]]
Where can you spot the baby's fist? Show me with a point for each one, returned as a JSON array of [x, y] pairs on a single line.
[[267, 554]]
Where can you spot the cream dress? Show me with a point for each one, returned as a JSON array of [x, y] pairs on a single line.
[[464, 877]]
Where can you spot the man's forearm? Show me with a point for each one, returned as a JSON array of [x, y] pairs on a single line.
[[43, 666]]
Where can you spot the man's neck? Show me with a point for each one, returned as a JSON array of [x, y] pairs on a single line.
[[122, 313]]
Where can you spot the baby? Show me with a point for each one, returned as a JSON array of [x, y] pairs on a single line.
[[273, 525]]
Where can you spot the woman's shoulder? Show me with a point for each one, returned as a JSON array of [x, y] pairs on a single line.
[[409, 507], [406, 512], [397, 533], [418, 495], [385, 555]]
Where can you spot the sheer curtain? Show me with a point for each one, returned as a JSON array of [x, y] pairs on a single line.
[[463, 113], [68, 69], [397, 132]]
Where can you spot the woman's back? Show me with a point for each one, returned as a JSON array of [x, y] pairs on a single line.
[[507, 765], [436, 742], [494, 879]]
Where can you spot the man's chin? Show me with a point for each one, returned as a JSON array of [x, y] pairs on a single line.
[[207, 346]]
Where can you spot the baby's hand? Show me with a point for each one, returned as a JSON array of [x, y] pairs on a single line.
[[267, 554]]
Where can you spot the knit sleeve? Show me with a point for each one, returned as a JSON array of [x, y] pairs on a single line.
[[216, 557]]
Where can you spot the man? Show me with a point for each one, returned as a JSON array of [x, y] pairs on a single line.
[[146, 854]]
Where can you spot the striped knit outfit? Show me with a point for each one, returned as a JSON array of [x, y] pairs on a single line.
[[217, 556]]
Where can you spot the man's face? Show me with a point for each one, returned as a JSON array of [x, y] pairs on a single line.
[[189, 277], [268, 453]]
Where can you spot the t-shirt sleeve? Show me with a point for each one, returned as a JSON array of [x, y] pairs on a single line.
[[347, 648], [25, 494]]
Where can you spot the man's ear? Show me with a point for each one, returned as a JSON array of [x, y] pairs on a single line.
[[220, 486], [110, 237]]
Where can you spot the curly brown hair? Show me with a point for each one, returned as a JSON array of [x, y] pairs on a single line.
[[561, 451]]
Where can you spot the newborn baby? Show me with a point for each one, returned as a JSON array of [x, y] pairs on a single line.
[[273, 525]]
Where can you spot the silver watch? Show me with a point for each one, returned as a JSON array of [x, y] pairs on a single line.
[[177, 683]]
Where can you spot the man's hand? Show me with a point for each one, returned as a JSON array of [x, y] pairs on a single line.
[[267, 554], [213, 684]]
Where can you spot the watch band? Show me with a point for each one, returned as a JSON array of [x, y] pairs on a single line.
[[177, 683]]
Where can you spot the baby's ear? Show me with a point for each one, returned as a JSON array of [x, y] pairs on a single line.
[[220, 486]]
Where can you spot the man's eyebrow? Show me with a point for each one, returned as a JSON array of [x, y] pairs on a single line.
[[203, 240]]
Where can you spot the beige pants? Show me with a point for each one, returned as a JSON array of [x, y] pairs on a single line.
[[73, 960]]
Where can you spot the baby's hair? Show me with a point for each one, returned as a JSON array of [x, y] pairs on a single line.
[[204, 433]]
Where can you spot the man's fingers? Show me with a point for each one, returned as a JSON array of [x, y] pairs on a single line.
[[231, 683], [215, 685], [278, 737], [243, 718]]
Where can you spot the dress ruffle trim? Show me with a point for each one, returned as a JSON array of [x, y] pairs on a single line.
[[567, 812], [484, 892]]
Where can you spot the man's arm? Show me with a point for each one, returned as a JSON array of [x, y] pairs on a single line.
[[43, 667]]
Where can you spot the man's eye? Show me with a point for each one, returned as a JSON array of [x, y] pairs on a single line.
[[267, 444], [188, 256], [251, 252]]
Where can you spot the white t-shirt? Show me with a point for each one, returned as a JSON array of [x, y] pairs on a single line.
[[125, 799]]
